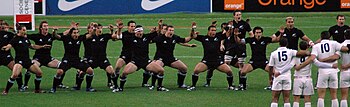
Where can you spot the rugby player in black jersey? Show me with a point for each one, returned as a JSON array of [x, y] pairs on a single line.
[[21, 44], [71, 41], [140, 58], [213, 58], [43, 45]]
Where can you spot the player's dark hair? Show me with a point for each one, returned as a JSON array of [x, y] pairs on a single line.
[[340, 15], [20, 27], [325, 35], [211, 27], [223, 24], [71, 30], [131, 21], [234, 12], [41, 25], [303, 45], [169, 26], [164, 25], [347, 34], [258, 28], [138, 26], [99, 24], [283, 42]]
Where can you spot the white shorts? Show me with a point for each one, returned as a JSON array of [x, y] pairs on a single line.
[[344, 79], [282, 82], [303, 86], [329, 80]]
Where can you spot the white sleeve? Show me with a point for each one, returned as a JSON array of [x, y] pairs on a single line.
[[337, 46], [314, 50], [287, 67], [294, 53], [272, 61], [322, 64]]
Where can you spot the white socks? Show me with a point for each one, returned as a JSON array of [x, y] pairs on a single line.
[[286, 104], [344, 103], [308, 104], [296, 104], [335, 103], [320, 102], [274, 104]]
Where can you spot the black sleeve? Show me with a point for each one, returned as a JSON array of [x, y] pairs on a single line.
[[13, 41], [156, 39], [301, 34], [277, 33], [200, 38], [267, 39], [107, 36], [248, 28], [150, 36], [178, 39], [248, 40], [32, 36]]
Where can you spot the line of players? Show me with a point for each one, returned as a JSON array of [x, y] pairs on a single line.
[[232, 36]]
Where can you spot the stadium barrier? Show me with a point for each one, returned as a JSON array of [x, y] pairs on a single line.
[[89, 7]]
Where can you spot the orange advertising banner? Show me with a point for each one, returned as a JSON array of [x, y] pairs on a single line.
[[234, 4], [345, 4]]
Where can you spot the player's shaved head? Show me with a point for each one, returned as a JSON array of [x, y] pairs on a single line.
[[303, 45], [325, 35], [283, 42]]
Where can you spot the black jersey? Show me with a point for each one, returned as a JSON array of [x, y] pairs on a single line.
[[5, 38], [211, 47], [21, 46], [258, 47], [243, 27], [229, 43], [99, 44], [71, 46], [127, 41], [337, 32], [292, 36], [87, 47], [166, 46], [40, 39], [140, 47]]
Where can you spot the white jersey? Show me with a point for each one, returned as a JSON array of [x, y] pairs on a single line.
[[345, 56], [326, 49], [306, 71], [281, 58]]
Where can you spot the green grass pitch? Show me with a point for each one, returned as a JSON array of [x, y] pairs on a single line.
[[135, 95]]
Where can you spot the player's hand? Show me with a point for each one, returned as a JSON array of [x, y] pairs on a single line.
[[222, 48], [110, 27], [236, 32], [297, 67], [281, 30], [276, 73], [119, 23], [194, 25], [213, 23], [344, 67], [153, 29], [54, 28], [47, 46], [160, 21], [5, 48]]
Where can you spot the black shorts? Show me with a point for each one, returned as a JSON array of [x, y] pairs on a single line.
[[101, 62], [5, 59], [258, 64], [26, 63], [43, 59], [167, 61], [126, 58], [213, 65], [66, 64], [141, 64], [241, 51]]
